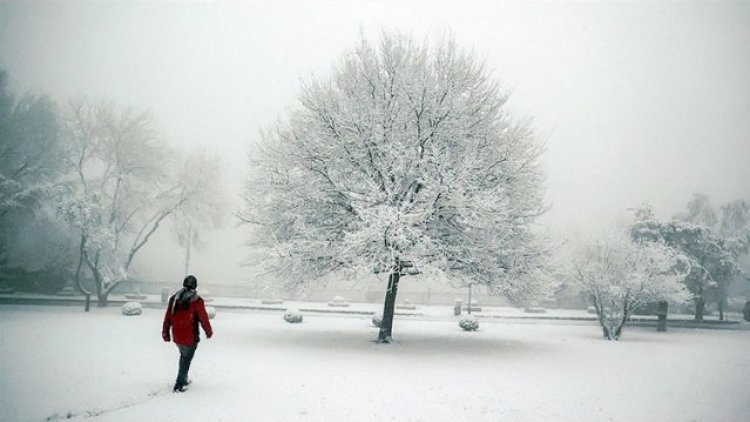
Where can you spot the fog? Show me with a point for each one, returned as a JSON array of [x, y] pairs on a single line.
[[638, 102]]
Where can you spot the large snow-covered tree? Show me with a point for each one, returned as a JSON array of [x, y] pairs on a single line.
[[125, 184], [621, 275], [404, 155]]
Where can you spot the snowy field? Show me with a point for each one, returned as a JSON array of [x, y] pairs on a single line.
[[59, 363]]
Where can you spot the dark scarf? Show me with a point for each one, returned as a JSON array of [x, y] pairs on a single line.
[[183, 298]]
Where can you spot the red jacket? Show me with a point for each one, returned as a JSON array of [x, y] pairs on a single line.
[[184, 321]]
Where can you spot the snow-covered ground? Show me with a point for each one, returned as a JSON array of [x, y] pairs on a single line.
[[58, 362]]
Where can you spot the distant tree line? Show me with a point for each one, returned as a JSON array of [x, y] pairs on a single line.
[[694, 257], [712, 241]]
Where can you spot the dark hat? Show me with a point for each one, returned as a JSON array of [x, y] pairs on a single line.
[[190, 282]]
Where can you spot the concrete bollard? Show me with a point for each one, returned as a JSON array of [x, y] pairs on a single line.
[[457, 307], [661, 324], [164, 295]]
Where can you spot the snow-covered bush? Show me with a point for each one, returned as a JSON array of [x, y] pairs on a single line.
[[621, 276], [293, 316], [468, 323], [211, 311], [132, 308], [377, 319]]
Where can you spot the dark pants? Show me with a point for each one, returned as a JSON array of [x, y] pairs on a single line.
[[186, 356]]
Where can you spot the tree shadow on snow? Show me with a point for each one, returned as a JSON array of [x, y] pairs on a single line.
[[407, 343]]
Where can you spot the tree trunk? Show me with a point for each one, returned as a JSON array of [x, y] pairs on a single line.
[[101, 300], [386, 325], [618, 332], [661, 325], [600, 317], [101, 291], [85, 291], [720, 305], [700, 307]]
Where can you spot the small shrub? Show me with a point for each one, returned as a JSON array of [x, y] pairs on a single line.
[[211, 311], [293, 316], [132, 308], [377, 319], [468, 323]]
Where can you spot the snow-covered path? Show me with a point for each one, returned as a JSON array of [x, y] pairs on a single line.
[[59, 362]]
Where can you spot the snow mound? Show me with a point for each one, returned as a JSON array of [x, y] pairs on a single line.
[[132, 308], [468, 323], [293, 316]]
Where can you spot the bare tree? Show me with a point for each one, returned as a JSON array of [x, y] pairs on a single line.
[[734, 219], [620, 276], [700, 211], [404, 155], [125, 187], [207, 207]]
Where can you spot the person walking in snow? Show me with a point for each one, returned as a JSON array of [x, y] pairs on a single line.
[[185, 311]]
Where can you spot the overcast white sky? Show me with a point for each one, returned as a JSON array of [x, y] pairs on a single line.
[[638, 101]]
